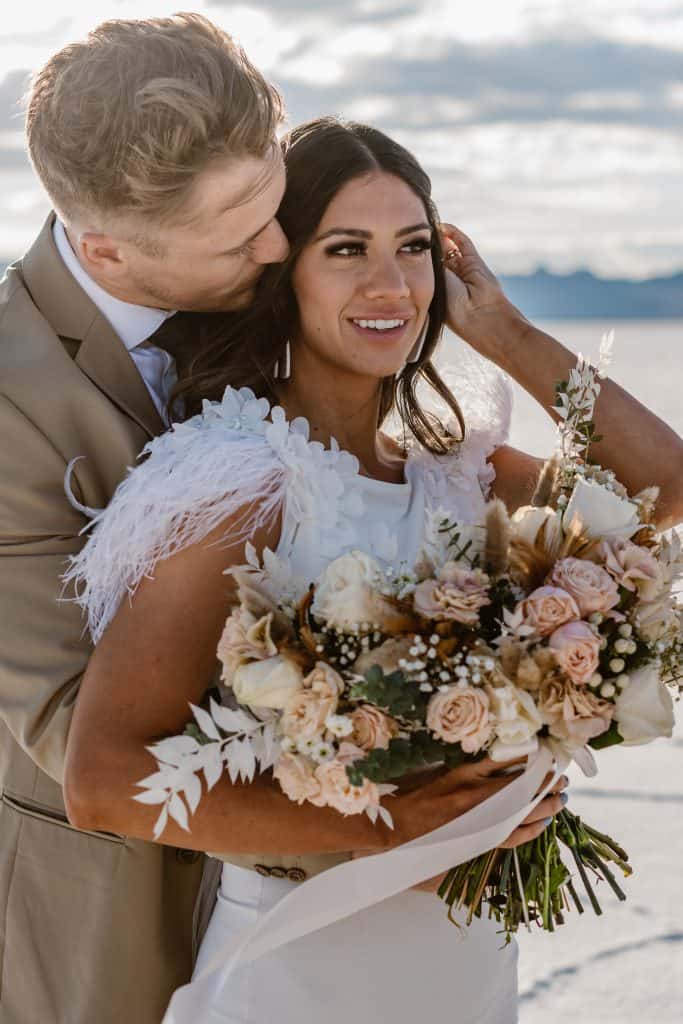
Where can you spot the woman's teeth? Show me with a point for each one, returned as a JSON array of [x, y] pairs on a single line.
[[380, 325]]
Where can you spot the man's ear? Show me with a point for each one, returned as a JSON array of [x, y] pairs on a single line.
[[99, 253]]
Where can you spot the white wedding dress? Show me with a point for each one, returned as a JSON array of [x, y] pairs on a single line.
[[400, 960]]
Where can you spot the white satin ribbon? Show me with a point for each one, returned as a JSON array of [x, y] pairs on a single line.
[[357, 884]]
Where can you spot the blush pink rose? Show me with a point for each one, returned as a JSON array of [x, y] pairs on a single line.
[[458, 594], [633, 567], [372, 728], [306, 711], [461, 715], [336, 791], [296, 778], [547, 608], [577, 650], [573, 713], [589, 584]]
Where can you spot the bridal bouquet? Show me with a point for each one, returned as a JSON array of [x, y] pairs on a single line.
[[557, 625]]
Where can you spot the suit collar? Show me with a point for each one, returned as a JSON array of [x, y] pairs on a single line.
[[101, 355]]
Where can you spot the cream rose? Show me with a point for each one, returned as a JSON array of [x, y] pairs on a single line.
[[516, 722], [659, 618], [602, 513], [267, 684], [458, 594], [633, 567], [546, 608], [589, 584], [336, 791], [461, 715], [233, 646], [573, 713], [644, 710], [372, 728], [577, 650], [306, 712], [296, 777], [347, 593], [528, 521]]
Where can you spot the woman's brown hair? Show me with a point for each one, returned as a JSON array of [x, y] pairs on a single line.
[[241, 349]]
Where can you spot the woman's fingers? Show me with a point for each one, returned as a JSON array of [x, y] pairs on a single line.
[[524, 834], [546, 808]]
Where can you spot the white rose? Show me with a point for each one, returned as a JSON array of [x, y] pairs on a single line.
[[528, 520], [267, 684], [602, 513], [645, 709], [347, 594], [516, 721]]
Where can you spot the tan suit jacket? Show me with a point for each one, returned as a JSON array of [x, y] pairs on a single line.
[[94, 929]]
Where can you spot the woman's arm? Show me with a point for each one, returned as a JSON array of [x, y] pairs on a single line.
[[638, 446], [157, 655]]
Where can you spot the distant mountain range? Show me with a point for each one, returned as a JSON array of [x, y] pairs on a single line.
[[582, 296]]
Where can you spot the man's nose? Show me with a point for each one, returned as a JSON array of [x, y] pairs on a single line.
[[271, 246]]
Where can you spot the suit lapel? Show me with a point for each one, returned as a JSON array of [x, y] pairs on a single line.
[[101, 354]]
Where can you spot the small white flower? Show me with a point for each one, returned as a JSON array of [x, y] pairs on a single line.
[[622, 646], [625, 629], [322, 752], [339, 725], [288, 745], [623, 680], [617, 665], [307, 746], [608, 690]]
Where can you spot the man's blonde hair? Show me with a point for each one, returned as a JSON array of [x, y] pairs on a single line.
[[122, 123]]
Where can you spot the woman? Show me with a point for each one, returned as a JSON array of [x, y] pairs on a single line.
[[341, 337]]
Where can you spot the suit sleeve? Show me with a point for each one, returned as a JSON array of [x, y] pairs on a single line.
[[43, 643]]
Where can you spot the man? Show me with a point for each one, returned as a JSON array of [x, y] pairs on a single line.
[[155, 141]]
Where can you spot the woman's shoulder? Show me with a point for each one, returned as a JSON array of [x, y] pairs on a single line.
[[239, 461]]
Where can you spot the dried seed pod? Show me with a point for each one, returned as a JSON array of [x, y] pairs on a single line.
[[546, 484], [497, 543]]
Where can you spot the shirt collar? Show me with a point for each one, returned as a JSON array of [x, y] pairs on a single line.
[[133, 324]]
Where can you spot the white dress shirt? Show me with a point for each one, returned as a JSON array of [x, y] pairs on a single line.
[[133, 324]]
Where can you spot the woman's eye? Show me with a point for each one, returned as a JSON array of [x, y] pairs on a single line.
[[417, 246], [348, 249]]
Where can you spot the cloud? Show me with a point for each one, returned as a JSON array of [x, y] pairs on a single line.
[[552, 132], [12, 88]]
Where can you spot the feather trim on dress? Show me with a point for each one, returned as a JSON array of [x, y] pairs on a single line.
[[240, 458]]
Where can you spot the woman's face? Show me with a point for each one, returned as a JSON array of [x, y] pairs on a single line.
[[365, 280]]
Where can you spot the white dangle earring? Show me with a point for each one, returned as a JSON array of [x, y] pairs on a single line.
[[416, 350], [284, 372]]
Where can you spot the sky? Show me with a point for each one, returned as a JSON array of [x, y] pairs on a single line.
[[552, 130]]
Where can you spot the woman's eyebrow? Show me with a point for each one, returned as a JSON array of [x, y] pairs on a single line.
[[358, 233]]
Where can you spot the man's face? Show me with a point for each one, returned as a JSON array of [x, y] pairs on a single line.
[[212, 260]]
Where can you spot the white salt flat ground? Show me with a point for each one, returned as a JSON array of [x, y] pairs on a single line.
[[626, 966]]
